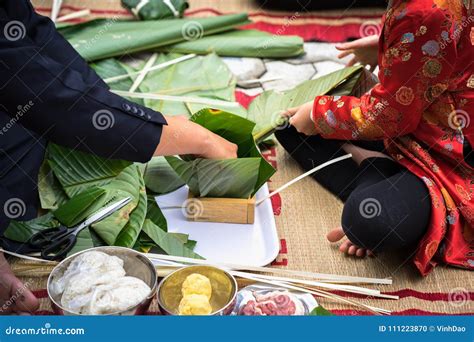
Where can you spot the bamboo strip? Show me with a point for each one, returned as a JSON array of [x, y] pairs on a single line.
[[144, 72], [74, 15], [171, 98], [318, 276], [306, 174], [156, 67]]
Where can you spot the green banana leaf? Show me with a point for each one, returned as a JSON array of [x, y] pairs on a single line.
[[267, 109], [155, 214], [320, 311], [77, 171], [242, 43], [156, 9], [203, 76], [21, 231], [50, 191], [127, 184], [99, 39], [80, 207], [169, 243], [129, 234], [160, 178], [233, 178]]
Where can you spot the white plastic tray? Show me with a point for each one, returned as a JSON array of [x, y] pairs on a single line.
[[254, 245]]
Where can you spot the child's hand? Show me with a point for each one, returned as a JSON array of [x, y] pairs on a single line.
[[365, 51], [300, 118]]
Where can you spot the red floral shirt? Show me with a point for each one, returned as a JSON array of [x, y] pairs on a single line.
[[423, 108]]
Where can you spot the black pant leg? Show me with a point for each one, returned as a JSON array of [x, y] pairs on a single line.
[[387, 215]]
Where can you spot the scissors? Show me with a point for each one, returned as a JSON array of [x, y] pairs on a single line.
[[55, 243]]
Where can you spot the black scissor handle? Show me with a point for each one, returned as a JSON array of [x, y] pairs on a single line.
[[47, 236], [59, 249]]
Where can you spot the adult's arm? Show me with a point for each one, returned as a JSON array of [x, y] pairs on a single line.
[[59, 101]]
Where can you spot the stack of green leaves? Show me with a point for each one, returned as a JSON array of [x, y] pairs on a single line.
[[206, 77], [156, 9], [79, 184], [103, 38]]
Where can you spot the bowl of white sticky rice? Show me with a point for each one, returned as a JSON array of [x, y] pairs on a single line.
[[103, 281]]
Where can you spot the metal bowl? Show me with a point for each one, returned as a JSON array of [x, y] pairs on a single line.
[[135, 265], [224, 289]]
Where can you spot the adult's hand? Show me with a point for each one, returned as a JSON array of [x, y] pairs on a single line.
[[300, 118], [365, 51], [15, 297], [182, 136]]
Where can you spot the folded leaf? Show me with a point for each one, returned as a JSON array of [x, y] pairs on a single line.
[[233, 178], [168, 242], [101, 38], [242, 43], [267, 109], [80, 207], [160, 178]]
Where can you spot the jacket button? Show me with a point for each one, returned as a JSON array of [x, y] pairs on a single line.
[[148, 117], [134, 110], [141, 112], [126, 106]]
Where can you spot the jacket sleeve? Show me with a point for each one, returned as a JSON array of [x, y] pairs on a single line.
[[414, 71], [61, 101]]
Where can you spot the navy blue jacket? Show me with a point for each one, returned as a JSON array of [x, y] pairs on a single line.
[[49, 93]]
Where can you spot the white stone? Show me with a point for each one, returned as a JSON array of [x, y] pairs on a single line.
[[318, 52], [245, 68], [289, 75]]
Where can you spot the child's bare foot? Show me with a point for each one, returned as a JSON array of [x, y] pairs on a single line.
[[347, 247]]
